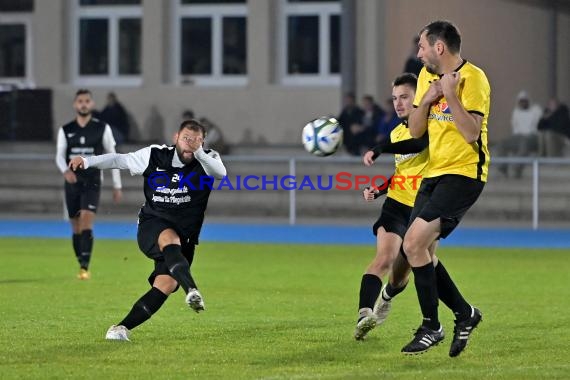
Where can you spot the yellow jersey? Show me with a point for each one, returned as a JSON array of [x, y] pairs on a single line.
[[409, 169], [449, 153]]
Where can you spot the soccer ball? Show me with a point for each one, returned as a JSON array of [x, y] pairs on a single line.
[[322, 136]]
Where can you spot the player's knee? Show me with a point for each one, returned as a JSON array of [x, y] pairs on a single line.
[[165, 284], [410, 246]]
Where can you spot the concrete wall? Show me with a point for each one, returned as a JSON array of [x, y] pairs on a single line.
[[508, 39]]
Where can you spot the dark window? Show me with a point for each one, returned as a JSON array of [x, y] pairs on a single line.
[[313, 1], [234, 55], [334, 52], [196, 46], [303, 45], [109, 2], [16, 5], [12, 50], [93, 47], [213, 1], [129, 46]]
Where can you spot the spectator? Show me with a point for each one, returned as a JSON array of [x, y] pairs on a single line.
[[413, 64], [552, 127], [524, 141], [365, 134], [115, 115], [387, 123], [214, 137], [350, 118], [188, 114]]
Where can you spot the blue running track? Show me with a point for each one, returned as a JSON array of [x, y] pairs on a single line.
[[302, 234]]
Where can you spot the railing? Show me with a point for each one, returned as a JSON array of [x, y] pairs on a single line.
[[293, 163]]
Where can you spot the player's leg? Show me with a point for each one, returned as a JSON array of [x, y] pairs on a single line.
[[89, 202], [162, 286], [85, 221], [387, 246], [179, 267], [73, 206], [423, 231]]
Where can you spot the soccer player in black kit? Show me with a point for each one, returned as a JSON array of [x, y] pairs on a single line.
[[178, 182], [85, 136]]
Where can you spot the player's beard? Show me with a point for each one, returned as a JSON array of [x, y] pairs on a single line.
[[432, 69], [84, 113], [180, 153]]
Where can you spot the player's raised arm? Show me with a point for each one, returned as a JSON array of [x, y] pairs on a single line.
[[468, 124], [418, 117], [136, 162]]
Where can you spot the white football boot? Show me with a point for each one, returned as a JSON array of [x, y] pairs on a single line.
[[366, 322], [382, 309], [117, 333], [195, 301]]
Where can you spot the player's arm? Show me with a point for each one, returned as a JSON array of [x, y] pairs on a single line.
[[375, 192], [468, 124], [61, 149], [136, 162], [417, 121], [211, 162], [402, 147], [109, 147]]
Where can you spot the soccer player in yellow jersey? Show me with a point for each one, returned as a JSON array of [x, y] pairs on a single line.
[[411, 158], [452, 105]]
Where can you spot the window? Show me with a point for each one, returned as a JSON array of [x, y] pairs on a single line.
[[16, 5], [15, 50], [107, 45], [309, 42], [210, 42]]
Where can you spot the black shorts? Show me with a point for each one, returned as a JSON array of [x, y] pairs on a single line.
[[149, 229], [82, 195], [395, 218], [447, 197]]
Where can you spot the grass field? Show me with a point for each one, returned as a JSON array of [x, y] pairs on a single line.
[[273, 312]]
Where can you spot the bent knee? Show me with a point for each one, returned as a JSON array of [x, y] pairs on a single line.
[[165, 284]]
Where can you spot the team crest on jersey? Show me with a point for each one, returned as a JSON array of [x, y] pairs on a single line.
[[82, 140], [441, 112], [442, 108]]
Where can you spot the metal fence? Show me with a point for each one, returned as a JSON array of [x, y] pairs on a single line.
[[295, 163]]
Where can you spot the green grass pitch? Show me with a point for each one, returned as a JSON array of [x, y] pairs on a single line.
[[273, 312]]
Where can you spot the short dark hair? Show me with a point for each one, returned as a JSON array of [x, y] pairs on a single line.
[[445, 31], [83, 91], [193, 125], [406, 78]]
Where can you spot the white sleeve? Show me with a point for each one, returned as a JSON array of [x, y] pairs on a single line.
[[136, 162], [61, 150], [211, 162], [109, 147]]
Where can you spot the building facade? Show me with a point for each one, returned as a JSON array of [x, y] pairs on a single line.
[[261, 69]]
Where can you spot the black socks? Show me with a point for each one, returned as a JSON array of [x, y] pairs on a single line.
[[144, 308], [450, 295], [178, 266], [425, 281], [76, 239], [369, 290], [83, 246], [391, 292]]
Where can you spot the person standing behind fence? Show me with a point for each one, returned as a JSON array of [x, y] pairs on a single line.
[[85, 136], [524, 140], [116, 116], [553, 129]]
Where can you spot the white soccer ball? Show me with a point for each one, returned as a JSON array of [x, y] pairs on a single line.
[[322, 136]]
